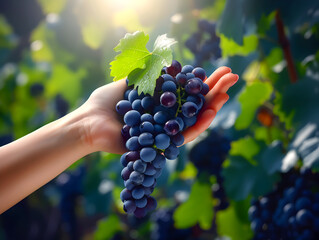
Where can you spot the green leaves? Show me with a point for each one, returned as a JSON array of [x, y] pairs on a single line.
[[141, 66], [107, 228], [198, 208], [243, 178], [230, 225], [134, 51], [251, 98]]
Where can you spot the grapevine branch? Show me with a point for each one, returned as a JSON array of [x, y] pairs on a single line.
[[283, 41]]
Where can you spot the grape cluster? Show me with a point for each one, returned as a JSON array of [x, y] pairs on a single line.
[[204, 43], [164, 229], [208, 156], [291, 211], [152, 130]]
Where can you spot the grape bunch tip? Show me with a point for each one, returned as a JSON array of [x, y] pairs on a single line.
[[152, 130]]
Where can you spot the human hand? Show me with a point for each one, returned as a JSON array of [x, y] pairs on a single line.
[[103, 124]]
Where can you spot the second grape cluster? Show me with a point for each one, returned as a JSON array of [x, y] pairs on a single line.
[[152, 130]]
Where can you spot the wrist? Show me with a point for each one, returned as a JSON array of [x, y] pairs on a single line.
[[74, 131]]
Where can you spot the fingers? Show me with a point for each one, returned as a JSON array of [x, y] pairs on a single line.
[[206, 117], [200, 126], [222, 85], [216, 75]]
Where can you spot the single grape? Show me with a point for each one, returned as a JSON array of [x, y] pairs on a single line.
[[171, 152], [136, 178], [162, 141], [138, 192], [135, 131], [125, 132], [140, 212], [189, 121], [146, 117], [205, 89], [161, 117], [151, 203], [200, 73], [172, 127], [146, 127], [125, 174], [168, 99], [189, 109], [133, 95], [178, 139], [189, 76], [125, 195], [193, 86], [132, 118], [140, 203], [129, 184], [150, 170], [174, 69], [139, 166], [159, 161], [148, 181], [159, 83], [146, 139], [147, 103], [169, 86], [181, 79], [136, 105], [127, 92], [148, 154], [167, 77], [129, 206], [132, 144], [187, 69]]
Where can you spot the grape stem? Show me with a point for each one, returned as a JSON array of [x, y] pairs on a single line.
[[179, 100]]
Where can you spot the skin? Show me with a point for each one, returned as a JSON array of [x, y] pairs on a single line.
[[33, 160]]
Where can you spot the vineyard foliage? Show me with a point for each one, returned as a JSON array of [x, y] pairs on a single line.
[[53, 54]]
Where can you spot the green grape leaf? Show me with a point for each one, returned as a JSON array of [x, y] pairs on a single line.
[[242, 178], [230, 47], [197, 209], [106, 228], [228, 224], [251, 98], [141, 66], [245, 147], [231, 21], [133, 53]]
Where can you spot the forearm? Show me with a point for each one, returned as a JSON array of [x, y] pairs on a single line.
[[34, 160]]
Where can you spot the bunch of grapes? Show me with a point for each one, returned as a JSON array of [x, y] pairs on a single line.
[[152, 130], [204, 43], [164, 228], [291, 211], [208, 156]]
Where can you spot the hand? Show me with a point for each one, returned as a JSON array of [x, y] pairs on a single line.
[[103, 125]]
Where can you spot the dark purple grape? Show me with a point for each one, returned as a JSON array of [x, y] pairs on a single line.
[[205, 89], [172, 127], [140, 212], [200, 73], [193, 86], [168, 99], [125, 132], [189, 109], [187, 69], [174, 69], [129, 206], [159, 83]]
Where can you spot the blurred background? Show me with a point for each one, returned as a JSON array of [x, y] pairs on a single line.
[[53, 54]]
